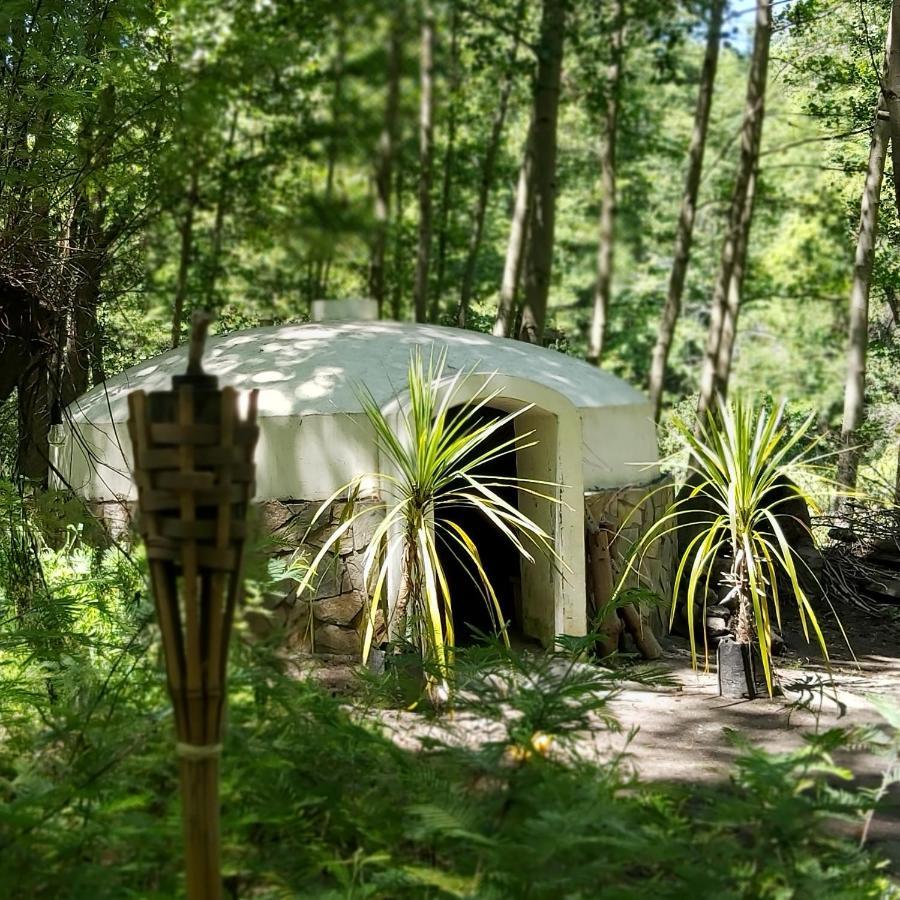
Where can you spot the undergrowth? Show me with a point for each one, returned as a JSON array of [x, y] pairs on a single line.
[[318, 801]]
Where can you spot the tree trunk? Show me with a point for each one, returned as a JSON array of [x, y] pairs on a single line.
[[864, 259], [387, 143], [426, 159], [219, 220], [33, 450], [735, 292], [323, 261], [751, 133], [685, 232], [434, 310], [487, 173], [855, 384], [607, 232], [187, 253], [399, 262], [892, 95], [518, 238], [539, 259]]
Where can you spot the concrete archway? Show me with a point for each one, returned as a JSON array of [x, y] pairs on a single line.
[[553, 590]]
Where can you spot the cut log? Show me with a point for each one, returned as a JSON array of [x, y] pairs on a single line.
[[607, 622], [644, 638], [612, 621]]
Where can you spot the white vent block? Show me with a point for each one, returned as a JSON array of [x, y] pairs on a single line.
[[346, 309]]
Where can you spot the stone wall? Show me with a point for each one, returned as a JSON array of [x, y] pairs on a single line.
[[330, 619], [630, 512]]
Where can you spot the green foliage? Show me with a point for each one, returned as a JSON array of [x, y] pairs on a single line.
[[319, 802], [744, 465], [432, 467]]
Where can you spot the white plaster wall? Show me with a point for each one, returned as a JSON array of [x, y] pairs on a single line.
[[305, 459], [313, 373], [619, 446]]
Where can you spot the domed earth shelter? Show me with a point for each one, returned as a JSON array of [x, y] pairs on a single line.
[[592, 435]]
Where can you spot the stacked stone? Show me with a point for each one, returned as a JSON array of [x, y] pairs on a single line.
[[330, 618]]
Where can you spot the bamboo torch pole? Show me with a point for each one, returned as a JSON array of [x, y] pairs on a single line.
[[193, 464]]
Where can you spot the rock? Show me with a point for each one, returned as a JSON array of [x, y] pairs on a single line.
[[336, 639], [339, 610], [329, 577]]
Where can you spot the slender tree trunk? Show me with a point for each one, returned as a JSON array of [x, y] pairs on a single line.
[[855, 384], [892, 95], [487, 173], [399, 263], [864, 259], [606, 243], [219, 220], [426, 159], [323, 261], [539, 260], [448, 166], [751, 134], [387, 143], [735, 292], [685, 232], [518, 238], [187, 253]]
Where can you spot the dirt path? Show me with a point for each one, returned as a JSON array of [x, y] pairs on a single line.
[[683, 733]]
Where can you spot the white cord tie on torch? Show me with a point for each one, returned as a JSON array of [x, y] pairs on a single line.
[[197, 751]]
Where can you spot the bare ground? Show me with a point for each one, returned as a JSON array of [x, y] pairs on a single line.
[[682, 733]]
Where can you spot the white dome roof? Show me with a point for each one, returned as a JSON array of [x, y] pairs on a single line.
[[313, 435], [317, 369]]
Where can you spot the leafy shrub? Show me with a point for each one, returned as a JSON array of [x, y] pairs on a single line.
[[319, 802]]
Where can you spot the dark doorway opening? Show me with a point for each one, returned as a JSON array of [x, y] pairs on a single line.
[[499, 557]]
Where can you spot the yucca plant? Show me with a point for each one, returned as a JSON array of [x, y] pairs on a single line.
[[744, 466], [433, 466]]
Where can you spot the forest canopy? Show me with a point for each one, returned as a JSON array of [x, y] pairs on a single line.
[[249, 157]]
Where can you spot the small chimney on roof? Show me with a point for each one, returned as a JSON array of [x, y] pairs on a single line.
[[346, 309]]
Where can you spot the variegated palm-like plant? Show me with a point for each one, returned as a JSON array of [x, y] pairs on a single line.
[[744, 466], [434, 453]]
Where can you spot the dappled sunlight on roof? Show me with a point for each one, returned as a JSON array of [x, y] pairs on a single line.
[[319, 368]]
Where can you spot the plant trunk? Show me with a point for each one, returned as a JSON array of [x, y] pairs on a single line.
[[187, 253], [387, 143], [857, 347], [864, 259], [751, 134], [518, 237], [426, 159], [487, 173], [219, 220], [606, 243], [434, 310], [684, 234], [539, 259], [735, 292], [892, 95]]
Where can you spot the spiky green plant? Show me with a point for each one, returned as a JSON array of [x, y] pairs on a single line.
[[744, 465], [432, 468]]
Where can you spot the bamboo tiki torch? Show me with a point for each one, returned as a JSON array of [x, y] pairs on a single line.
[[193, 464]]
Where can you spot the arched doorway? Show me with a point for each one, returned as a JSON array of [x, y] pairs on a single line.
[[552, 589], [473, 613]]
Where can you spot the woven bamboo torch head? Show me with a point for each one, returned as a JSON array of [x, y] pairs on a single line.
[[193, 464]]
